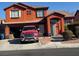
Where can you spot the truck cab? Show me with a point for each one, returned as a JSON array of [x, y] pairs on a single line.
[[29, 33]]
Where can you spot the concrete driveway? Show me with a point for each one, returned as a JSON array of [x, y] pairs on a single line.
[[8, 44]]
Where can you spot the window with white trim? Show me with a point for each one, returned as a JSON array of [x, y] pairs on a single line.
[[15, 13], [40, 13]]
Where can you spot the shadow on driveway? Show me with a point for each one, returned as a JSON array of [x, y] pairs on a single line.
[[17, 41]]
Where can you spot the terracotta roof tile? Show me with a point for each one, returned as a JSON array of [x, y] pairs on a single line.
[[32, 6], [66, 14], [36, 21], [15, 4], [25, 6]]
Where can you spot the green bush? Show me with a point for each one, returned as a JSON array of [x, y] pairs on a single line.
[[67, 35], [65, 27]]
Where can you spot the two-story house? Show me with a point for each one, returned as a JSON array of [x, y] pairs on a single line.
[[19, 15]]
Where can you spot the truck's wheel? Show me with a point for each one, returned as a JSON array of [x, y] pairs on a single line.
[[21, 42], [35, 39]]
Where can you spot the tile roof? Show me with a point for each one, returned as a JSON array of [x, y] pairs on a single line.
[[39, 6], [66, 14], [32, 6], [15, 5], [36, 21], [25, 6]]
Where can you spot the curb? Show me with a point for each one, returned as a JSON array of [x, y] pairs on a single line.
[[38, 46]]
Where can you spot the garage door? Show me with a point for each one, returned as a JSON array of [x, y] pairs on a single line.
[[16, 31], [41, 27]]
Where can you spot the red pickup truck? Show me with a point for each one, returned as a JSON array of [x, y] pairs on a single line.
[[29, 33]]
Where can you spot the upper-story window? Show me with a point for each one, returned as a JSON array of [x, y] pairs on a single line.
[[15, 13], [68, 21], [40, 13], [29, 12]]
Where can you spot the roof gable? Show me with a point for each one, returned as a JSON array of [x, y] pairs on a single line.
[[24, 6], [55, 13], [60, 12], [77, 12], [15, 5], [34, 7]]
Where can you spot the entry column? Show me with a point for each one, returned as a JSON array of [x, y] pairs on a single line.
[[7, 31], [48, 27], [62, 22]]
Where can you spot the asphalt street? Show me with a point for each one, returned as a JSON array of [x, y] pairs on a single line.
[[43, 52]]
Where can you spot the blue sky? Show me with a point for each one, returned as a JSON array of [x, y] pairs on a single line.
[[67, 6]]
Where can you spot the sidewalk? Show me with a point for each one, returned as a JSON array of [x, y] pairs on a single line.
[[71, 41], [6, 46]]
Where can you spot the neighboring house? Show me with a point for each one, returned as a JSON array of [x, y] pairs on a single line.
[[69, 19], [74, 25], [2, 29], [19, 15], [1, 26], [76, 16]]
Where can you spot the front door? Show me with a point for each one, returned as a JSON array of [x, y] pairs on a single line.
[[54, 27]]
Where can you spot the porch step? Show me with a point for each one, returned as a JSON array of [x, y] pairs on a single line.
[[57, 38]]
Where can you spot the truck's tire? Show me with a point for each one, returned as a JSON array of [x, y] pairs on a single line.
[[21, 42]]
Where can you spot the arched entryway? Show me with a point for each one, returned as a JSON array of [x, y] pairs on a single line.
[[56, 26]]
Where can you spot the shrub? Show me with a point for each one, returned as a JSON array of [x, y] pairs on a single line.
[[65, 27], [67, 35]]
